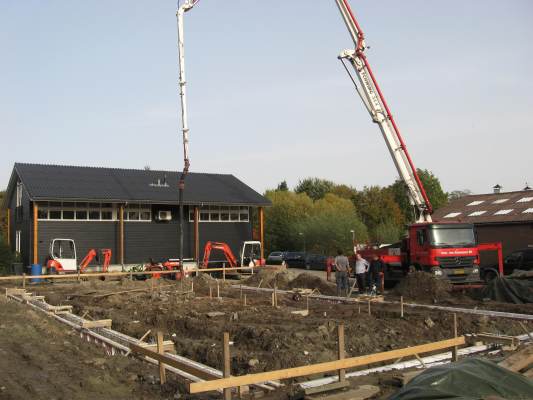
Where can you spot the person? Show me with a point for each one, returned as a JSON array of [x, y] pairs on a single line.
[[375, 272], [361, 268], [342, 266]]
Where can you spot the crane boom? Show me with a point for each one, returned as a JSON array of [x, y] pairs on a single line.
[[374, 101], [186, 6]]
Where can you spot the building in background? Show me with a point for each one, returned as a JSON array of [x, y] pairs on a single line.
[[505, 217], [132, 212]]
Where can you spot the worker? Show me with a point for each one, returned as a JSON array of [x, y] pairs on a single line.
[[375, 273], [361, 269], [342, 269]]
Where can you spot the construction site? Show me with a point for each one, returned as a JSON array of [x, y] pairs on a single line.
[[141, 284]]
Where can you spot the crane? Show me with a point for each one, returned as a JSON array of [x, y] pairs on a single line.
[[186, 6], [376, 105]]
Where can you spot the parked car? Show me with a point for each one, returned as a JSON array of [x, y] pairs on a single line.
[[275, 258], [519, 259], [295, 259], [316, 262]]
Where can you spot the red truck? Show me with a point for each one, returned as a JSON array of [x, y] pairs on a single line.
[[447, 250]]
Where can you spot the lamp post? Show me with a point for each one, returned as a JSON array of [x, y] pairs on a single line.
[[303, 237], [353, 240]]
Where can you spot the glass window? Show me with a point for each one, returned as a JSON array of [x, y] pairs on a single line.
[[146, 216], [234, 216], [55, 214], [107, 205], [81, 215], [243, 217], [204, 216], [94, 215], [215, 216], [224, 216], [107, 215], [42, 213], [133, 215], [68, 214]]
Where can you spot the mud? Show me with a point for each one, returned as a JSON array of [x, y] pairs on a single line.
[[423, 286]]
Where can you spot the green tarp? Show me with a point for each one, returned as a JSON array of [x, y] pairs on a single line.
[[516, 288], [469, 379]]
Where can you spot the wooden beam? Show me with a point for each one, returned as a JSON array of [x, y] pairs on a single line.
[[234, 381], [35, 233], [262, 231], [197, 234], [168, 346], [172, 362], [340, 332], [161, 350], [102, 323], [226, 370], [8, 223], [121, 234]]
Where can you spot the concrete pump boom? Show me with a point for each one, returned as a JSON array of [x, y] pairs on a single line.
[[186, 6], [374, 101]]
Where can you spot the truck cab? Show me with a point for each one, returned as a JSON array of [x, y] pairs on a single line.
[[447, 250]]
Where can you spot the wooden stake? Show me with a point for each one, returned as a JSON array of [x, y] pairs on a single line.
[[340, 331], [455, 352], [24, 280], [160, 350], [218, 290], [275, 294], [224, 273], [272, 296], [210, 292], [401, 306], [192, 286], [307, 304], [369, 307], [131, 275], [245, 299], [241, 290], [227, 364], [359, 307], [78, 275], [145, 335]]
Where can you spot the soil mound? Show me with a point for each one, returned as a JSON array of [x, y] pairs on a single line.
[[424, 286], [309, 281], [268, 278], [202, 281]]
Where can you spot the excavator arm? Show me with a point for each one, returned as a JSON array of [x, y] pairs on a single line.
[[209, 246], [376, 105], [92, 253]]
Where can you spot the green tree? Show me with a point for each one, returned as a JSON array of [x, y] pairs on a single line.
[[284, 218], [344, 191], [377, 208], [282, 186], [435, 193], [315, 188], [328, 227], [457, 194]]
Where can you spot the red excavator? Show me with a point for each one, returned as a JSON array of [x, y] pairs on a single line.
[[62, 257], [250, 254]]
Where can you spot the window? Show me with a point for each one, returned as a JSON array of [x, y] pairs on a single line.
[[17, 241], [476, 213], [19, 194], [138, 212], [421, 236], [476, 203], [528, 211], [77, 211], [525, 200], [222, 214], [499, 201], [503, 212], [452, 215]]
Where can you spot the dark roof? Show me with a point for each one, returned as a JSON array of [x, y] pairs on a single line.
[[49, 182], [506, 207]]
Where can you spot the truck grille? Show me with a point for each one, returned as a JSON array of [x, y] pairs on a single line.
[[456, 262]]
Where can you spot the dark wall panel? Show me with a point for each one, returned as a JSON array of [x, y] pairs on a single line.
[[512, 236], [86, 235], [231, 233]]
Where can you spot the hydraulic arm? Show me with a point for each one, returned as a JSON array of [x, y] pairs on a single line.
[[374, 101]]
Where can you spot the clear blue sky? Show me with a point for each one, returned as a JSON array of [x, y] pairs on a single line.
[[95, 83]]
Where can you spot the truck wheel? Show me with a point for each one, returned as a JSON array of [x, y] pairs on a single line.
[[490, 275]]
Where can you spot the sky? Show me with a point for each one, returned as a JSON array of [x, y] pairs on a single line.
[[95, 83]]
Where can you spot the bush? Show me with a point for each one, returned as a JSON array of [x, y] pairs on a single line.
[[6, 258]]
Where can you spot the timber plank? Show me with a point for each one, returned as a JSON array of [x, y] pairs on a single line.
[[199, 387], [102, 323], [519, 360]]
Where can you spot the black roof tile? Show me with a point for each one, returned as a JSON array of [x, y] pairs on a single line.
[[48, 182]]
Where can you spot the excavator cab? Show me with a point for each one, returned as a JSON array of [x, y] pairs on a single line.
[[63, 255], [251, 254]]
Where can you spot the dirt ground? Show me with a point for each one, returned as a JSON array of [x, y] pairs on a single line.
[[264, 338]]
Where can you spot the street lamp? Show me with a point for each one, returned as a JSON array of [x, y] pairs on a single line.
[[303, 236], [353, 240]]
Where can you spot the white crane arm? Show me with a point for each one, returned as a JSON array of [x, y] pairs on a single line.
[[374, 101]]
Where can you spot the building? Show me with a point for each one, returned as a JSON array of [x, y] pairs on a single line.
[[505, 217], [132, 212]]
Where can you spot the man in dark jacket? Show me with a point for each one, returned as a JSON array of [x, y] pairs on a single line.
[[375, 273]]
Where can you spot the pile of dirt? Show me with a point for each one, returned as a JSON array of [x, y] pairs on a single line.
[[309, 281], [202, 281], [424, 286], [268, 278]]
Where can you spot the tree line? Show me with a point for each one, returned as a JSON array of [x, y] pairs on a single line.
[[320, 215]]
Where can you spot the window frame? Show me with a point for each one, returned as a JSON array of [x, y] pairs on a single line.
[[213, 214]]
